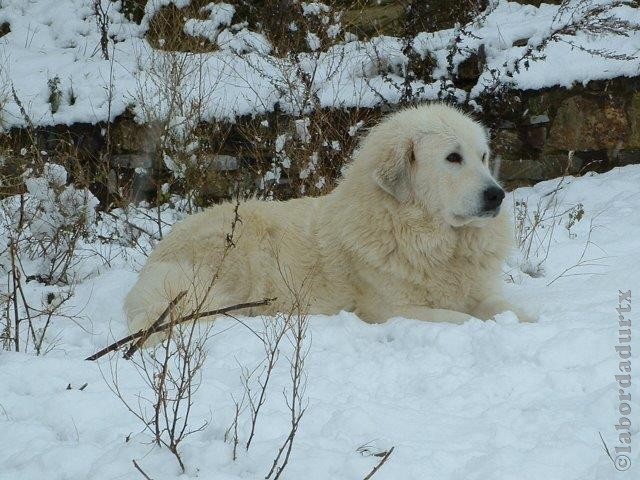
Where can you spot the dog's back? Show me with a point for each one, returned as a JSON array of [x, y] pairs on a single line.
[[269, 250]]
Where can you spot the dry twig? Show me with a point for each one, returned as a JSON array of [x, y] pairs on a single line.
[[380, 463], [159, 328], [135, 464], [135, 346]]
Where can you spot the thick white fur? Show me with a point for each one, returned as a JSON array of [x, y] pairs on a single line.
[[400, 235]]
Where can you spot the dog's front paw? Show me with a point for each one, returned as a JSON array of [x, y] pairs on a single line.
[[491, 307], [526, 317]]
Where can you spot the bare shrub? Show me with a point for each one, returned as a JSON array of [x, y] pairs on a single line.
[[535, 228], [172, 94], [295, 399], [274, 331], [583, 260], [101, 12], [171, 371], [287, 327], [42, 228], [304, 154], [5, 93]]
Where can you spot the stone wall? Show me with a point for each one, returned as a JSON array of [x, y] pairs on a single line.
[[585, 128], [537, 135]]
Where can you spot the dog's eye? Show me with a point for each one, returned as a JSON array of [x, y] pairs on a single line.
[[454, 158]]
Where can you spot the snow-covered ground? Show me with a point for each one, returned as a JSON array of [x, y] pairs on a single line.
[[56, 44], [485, 400]]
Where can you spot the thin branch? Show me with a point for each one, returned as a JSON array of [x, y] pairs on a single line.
[[380, 463], [132, 349], [160, 328], [135, 464]]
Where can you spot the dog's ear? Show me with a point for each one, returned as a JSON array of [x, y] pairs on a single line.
[[393, 171]]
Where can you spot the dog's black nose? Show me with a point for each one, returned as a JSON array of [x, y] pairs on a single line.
[[493, 197]]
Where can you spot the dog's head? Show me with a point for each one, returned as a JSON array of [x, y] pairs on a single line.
[[436, 157]]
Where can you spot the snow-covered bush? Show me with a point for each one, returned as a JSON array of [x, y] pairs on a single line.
[[46, 223], [41, 230]]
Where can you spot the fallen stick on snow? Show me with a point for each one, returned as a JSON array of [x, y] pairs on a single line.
[[147, 333], [158, 326]]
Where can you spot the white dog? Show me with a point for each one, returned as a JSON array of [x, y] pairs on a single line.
[[414, 230]]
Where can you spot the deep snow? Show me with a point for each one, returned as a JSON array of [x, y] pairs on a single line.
[[484, 400]]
